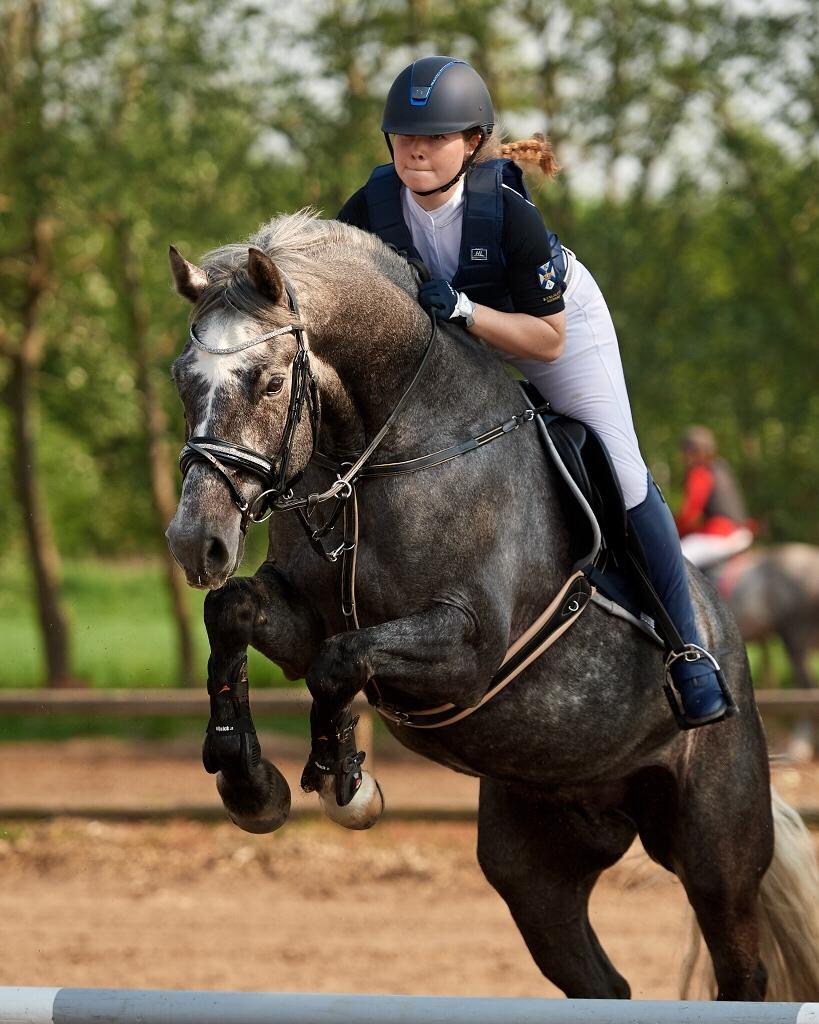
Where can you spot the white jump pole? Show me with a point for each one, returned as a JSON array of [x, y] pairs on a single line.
[[145, 1006]]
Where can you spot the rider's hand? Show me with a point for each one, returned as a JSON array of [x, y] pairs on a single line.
[[440, 298]]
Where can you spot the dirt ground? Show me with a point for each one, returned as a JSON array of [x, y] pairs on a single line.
[[403, 908]]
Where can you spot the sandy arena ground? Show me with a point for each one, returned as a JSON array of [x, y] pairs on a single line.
[[402, 908]]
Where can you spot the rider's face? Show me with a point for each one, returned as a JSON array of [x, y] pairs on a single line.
[[424, 162]]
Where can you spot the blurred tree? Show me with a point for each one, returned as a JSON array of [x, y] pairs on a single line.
[[178, 131], [29, 157], [138, 133]]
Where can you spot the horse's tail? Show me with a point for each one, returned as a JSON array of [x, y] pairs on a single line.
[[788, 918]]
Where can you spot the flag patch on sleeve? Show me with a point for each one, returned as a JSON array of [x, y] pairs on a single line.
[[547, 276]]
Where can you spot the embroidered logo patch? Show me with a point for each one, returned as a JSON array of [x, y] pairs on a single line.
[[547, 275], [479, 254]]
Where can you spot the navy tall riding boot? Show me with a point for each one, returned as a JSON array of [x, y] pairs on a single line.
[[694, 676]]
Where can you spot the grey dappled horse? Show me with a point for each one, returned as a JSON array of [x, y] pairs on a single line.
[[580, 753], [774, 591]]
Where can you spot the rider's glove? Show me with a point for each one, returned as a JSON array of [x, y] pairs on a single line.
[[440, 298]]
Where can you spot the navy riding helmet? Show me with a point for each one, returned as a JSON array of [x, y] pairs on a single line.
[[435, 96]]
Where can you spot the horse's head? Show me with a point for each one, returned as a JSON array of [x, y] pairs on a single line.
[[250, 407]]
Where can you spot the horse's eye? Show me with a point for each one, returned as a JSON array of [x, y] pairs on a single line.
[[274, 385]]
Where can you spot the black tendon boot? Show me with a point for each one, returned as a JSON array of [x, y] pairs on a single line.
[[230, 743]]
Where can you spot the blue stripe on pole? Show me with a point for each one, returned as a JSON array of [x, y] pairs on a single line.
[[138, 1006]]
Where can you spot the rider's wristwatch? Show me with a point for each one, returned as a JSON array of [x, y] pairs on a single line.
[[465, 309]]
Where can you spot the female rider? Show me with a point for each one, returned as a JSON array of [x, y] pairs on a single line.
[[498, 271]]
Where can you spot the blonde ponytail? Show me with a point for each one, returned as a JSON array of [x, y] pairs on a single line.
[[532, 153]]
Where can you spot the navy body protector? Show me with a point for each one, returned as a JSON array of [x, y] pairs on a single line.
[[481, 263]]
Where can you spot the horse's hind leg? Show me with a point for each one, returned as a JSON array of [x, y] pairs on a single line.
[[714, 830], [544, 860], [254, 610], [796, 638]]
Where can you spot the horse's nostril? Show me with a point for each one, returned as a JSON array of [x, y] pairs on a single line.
[[216, 555]]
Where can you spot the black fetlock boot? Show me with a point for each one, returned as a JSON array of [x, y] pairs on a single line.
[[334, 753], [230, 743], [703, 694]]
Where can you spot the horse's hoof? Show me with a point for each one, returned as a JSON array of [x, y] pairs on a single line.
[[363, 811], [258, 804], [259, 826]]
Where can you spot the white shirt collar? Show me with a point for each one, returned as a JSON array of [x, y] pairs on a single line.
[[436, 234], [443, 215]]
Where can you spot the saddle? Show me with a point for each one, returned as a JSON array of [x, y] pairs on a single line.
[[582, 455], [600, 540]]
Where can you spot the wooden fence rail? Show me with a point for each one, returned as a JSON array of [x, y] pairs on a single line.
[[291, 700]]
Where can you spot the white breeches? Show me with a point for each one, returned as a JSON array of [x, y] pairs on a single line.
[[587, 382], [706, 549]]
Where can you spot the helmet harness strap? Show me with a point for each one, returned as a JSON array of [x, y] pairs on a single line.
[[464, 166]]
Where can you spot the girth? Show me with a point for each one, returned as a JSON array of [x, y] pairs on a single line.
[[567, 606]]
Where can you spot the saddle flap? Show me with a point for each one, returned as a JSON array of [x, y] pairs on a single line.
[[589, 464]]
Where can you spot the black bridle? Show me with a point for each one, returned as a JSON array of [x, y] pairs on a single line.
[[273, 473], [277, 495]]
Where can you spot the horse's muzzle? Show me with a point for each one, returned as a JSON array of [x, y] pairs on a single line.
[[208, 553]]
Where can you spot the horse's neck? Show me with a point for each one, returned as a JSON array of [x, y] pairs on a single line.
[[369, 343], [370, 355], [461, 389]]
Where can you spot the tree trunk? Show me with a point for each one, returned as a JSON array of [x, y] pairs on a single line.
[[45, 560], [22, 73], [163, 490]]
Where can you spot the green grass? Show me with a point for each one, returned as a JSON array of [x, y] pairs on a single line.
[[51, 728], [122, 631], [781, 673]]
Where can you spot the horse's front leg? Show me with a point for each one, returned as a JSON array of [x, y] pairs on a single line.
[[433, 655], [262, 611]]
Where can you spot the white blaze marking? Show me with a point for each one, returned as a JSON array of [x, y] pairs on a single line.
[[221, 331]]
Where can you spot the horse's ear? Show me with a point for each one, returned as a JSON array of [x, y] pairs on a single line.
[[190, 281], [263, 273]]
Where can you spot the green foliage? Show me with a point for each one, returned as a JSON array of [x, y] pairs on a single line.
[[688, 137]]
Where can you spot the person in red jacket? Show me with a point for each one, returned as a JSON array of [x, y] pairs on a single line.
[[712, 521]]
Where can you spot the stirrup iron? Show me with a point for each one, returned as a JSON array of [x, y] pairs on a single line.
[[690, 653]]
